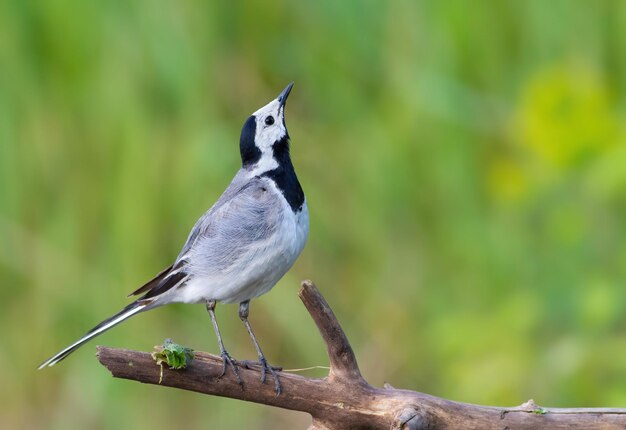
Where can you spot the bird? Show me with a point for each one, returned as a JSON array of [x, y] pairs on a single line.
[[242, 246]]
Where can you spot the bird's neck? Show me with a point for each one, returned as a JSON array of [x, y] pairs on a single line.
[[284, 175]]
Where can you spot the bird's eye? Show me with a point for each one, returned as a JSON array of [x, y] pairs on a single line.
[[269, 120]]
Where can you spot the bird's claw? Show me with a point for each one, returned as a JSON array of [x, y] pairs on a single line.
[[249, 364], [265, 367], [228, 361]]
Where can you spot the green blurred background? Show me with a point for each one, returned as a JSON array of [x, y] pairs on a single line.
[[464, 163]]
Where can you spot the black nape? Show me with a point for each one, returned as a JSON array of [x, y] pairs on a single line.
[[250, 153]]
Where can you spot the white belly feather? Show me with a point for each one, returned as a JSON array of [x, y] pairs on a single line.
[[258, 270]]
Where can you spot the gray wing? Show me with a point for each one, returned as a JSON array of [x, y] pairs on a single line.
[[248, 212]]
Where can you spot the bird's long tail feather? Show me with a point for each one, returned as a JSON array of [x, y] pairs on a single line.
[[125, 313]]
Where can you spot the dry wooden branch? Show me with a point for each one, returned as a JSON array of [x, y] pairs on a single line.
[[344, 400]]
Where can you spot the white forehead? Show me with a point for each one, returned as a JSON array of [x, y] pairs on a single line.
[[269, 109], [266, 135]]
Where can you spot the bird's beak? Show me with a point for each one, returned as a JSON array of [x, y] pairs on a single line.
[[282, 97]]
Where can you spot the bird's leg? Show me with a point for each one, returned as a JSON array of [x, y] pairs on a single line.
[[244, 310], [210, 307]]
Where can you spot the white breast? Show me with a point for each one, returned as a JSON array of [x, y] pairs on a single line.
[[275, 257], [261, 268]]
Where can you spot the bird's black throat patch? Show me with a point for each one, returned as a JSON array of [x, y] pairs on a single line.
[[285, 176], [250, 153]]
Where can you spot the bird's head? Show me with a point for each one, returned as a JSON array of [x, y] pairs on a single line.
[[264, 133]]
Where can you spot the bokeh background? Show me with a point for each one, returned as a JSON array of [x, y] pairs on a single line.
[[464, 163]]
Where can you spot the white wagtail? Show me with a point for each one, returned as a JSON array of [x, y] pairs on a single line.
[[242, 246]]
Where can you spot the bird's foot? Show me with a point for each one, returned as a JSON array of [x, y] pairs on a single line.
[[265, 368], [250, 364], [229, 362]]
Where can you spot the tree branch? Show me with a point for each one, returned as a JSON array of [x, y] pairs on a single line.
[[343, 363], [344, 400]]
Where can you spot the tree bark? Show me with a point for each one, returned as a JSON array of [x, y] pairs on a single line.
[[343, 399]]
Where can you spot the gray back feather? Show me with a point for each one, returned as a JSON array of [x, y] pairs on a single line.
[[247, 212]]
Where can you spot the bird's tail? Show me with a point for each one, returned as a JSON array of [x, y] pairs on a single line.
[[125, 313]]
